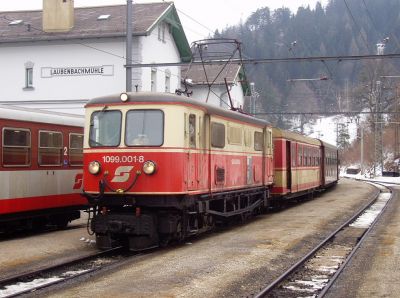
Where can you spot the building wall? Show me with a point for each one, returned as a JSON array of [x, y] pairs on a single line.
[[157, 49], [222, 100], [61, 55], [50, 61]]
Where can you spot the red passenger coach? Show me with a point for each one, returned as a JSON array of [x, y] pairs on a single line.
[[159, 167], [40, 168], [330, 164], [297, 164]]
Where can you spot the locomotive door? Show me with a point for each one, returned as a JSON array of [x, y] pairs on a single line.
[[193, 156], [288, 166]]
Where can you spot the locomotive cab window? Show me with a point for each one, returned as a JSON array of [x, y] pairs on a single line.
[[105, 128], [217, 135], [144, 128], [50, 148], [16, 147], [258, 141], [75, 149]]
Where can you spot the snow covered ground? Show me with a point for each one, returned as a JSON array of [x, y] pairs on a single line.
[[394, 180]]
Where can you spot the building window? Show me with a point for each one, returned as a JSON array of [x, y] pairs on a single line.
[[28, 75], [161, 32], [16, 147], [154, 79], [167, 81]]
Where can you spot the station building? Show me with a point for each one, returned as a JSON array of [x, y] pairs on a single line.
[[60, 57]]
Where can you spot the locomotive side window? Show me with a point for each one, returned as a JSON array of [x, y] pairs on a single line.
[[258, 141], [144, 128], [50, 148], [105, 128], [75, 149], [235, 135], [269, 141], [247, 138], [16, 147], [192, 131], [217, 135]]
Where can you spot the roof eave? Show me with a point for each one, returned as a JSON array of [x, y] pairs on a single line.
[[71, 37]]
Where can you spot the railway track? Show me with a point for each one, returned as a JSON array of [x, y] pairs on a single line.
[[55, 274], [314, 274]]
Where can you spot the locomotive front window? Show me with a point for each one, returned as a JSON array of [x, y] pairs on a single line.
[[144, 128], [16, 147], [105, 128]]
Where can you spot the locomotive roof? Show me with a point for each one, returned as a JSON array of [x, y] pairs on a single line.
[[41, 116], [155, 97], [290, 135]]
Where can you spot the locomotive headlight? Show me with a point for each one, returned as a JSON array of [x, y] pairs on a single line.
[[94, 167], [149, 167], [124, 97]]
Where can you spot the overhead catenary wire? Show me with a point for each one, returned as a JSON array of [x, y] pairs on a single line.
[[392, 36], [358, 27], [275, 60]]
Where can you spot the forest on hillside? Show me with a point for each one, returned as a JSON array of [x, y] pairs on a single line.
[[342, 28]]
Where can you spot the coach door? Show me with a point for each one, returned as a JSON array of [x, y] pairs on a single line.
[[193, 156], [288, 166], [295, 172]]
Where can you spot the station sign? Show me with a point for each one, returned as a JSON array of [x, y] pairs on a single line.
[[103, 70]]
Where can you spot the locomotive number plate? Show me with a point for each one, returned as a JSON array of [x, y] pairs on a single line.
[[123, 158]]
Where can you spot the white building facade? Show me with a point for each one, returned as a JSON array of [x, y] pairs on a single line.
[[221, 85], [60, 69]]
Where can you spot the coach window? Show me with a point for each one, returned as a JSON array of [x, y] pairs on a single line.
[[258, 141], [75, 149], [306, 156], [299, 153], [144, 128], [50, 148], [16, 147], [293, 154], [217, 135]]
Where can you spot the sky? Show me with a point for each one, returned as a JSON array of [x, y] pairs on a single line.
[[199, 18]]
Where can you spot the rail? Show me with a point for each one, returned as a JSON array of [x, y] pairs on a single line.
[[272, 287], [28, 277]]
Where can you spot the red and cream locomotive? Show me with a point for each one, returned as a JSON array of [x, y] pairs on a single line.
[[160, 166], [41, 157]]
